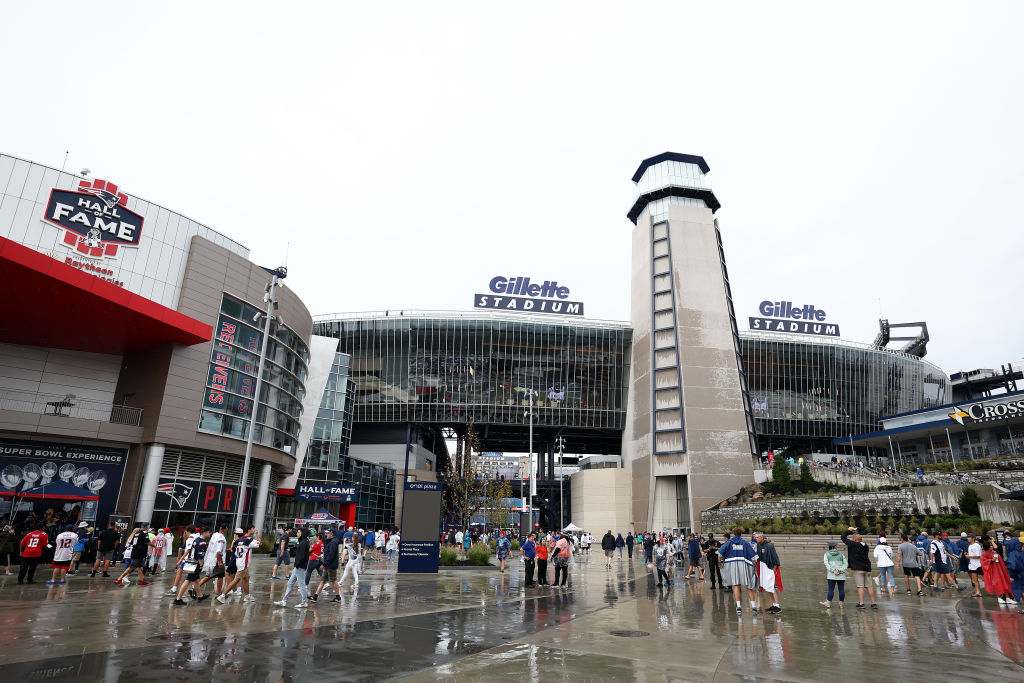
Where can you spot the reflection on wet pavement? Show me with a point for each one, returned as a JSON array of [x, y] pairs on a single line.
[[609, 625]]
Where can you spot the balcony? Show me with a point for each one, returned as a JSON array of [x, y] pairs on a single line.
[[70, 406]]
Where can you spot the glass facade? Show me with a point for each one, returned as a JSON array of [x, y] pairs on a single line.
[[230, 384], [327, 458], [422, 367], [824, 389]]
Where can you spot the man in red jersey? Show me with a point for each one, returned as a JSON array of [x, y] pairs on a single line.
[[31, 552]]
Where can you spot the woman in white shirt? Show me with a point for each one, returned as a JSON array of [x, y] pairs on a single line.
[[392, 546], [883, 558]]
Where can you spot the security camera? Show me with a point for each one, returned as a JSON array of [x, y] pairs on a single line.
[[256, 318], [85, 172]]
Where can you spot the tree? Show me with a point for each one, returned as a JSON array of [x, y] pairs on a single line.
[[806, 480], [780, 476], [968, 502]]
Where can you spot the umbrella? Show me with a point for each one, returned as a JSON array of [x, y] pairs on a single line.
[[572, 527]]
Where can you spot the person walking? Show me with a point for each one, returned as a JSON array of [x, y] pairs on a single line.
[[193, 567], [241, 549], [354, 559], [974, 564], [1015, 566], [213, 560], [561, 557], [711, 547], [648, 547], [106, 543], [168, 548], [298, 573], [860, 565], [694, 551], [608, 546], [392, 546], [284, 556], [542, 549], [330, 560], [997, 579], [940, 563], [31, 546], [767, 563], [835, 572], [188, 538], [529, 550], [316, 559], [8, 546], [661, 558], [64, 549], [886, 565], [737, 559], [503, 546], [908, 559], [630, 541], [620, 543], [137, 550]]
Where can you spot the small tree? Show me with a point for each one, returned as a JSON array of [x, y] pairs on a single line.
[[780, 476], [806, 480], [968, 502]]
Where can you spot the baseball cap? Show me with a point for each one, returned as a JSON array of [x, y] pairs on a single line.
[[832, 544], [166, 529], [882, 540], [945, 535], [963, 534], [239, 531], [69, 527]]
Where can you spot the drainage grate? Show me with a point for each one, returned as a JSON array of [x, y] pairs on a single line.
[[630, 634], [176, 637]]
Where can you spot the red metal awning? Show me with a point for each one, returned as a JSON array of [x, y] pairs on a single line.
[[49, 303]]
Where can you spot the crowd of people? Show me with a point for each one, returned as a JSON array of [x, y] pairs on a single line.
[[205, 556], [935, 562]]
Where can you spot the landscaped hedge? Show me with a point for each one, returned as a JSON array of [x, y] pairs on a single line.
[[892, 525]]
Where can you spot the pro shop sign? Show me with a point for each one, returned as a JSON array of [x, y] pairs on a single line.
[[95, 219]]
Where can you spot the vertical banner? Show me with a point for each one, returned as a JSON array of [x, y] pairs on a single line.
[[420, 548]]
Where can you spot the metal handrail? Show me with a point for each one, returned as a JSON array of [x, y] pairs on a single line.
[[69, 405]]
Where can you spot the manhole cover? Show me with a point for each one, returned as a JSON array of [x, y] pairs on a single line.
[[630, 634], [176, 637]]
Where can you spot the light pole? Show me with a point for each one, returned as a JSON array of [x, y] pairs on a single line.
[[561, 496], [533, 475], [949, 440], [271, 300]]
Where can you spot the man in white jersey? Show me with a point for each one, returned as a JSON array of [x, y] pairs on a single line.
[[63, 550], [242, 550], [191, 534], [157, 544], [216, 556]]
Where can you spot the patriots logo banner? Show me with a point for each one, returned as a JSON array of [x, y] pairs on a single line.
[[178, 492]]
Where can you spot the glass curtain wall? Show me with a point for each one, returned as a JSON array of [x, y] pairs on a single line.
[[437, 369], [800, 388]]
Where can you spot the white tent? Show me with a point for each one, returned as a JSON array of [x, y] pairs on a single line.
[[572, 527]]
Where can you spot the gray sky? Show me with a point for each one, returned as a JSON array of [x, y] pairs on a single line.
[[411, 151]]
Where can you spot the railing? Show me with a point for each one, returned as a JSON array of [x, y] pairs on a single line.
[[69, 405]]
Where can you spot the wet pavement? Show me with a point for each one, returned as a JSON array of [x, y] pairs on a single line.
[[482, 625]]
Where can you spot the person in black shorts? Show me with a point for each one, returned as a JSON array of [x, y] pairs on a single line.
[[194, 561], [106, 545]]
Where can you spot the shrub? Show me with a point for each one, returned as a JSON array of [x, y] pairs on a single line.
[[806, 480], [968, 501], [449, 557], [479, 554], [515, 544], [781, 477]]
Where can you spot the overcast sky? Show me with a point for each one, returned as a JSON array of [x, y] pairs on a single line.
[[867, 157]]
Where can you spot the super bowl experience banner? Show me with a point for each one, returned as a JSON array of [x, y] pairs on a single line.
[[95, 470]]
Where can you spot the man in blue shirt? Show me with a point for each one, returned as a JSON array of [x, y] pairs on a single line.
[[530, 558], [693, 549]]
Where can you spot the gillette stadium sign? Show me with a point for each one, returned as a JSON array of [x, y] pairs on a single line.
[[522, 295], [783, 316]]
